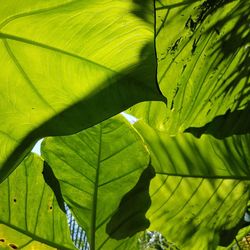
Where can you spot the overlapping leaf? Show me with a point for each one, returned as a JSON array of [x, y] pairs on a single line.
[[96, 168], [29, 212], [67, 65], [203, 51], [203, 70], [207, 156], [198, 213], [92, 59]]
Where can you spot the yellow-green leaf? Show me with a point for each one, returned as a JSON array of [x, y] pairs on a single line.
[[96, 168], [67, 65]]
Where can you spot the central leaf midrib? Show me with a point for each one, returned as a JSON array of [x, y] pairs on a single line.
[[95, 195], [226, 177]]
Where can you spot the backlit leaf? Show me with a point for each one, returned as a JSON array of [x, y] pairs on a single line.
[[203, 52], [67, 65], [187, 155], [195, 213], [96, 168], [29, 213]]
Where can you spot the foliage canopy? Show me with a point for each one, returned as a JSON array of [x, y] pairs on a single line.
[[70, 67]]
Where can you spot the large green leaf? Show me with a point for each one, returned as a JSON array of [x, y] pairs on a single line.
[[67, 65], [203, 51], [95, 169], [199, 213], [207, 156], [196, 213], [29, 212]]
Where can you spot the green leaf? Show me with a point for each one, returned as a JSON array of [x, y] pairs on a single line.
[[95, 169], [203, 51], [186, 155], [192, 212], [29, 212], [69, 65], [206, 210]]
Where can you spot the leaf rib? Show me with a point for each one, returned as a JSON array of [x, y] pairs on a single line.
[[75, 186], [8, 136], [34, 12], [24, 74], [8, 181], [243, 178], [36, 238], [189, 77], [119, 177], [26, 198], [54, 49], [209, 199], [221, 204], [95, 195], [118, 151], [39, 208], [77, 153], [77, 171], [165, 202], [192, 196]]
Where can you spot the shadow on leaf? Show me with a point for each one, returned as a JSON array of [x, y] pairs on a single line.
[[53, 183], [130, 218], [231, 123], [143, 9], [98, 106]]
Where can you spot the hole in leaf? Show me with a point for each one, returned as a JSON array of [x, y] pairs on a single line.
[[50, 207], [13, 246], [14, 199], [2, 240]]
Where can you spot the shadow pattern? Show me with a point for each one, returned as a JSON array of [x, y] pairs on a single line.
[[129, 218], [232, 123]]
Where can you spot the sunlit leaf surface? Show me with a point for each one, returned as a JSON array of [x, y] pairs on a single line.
[[203, 52], [29, 212], [96, 168], [203, 70], [67, 65]]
